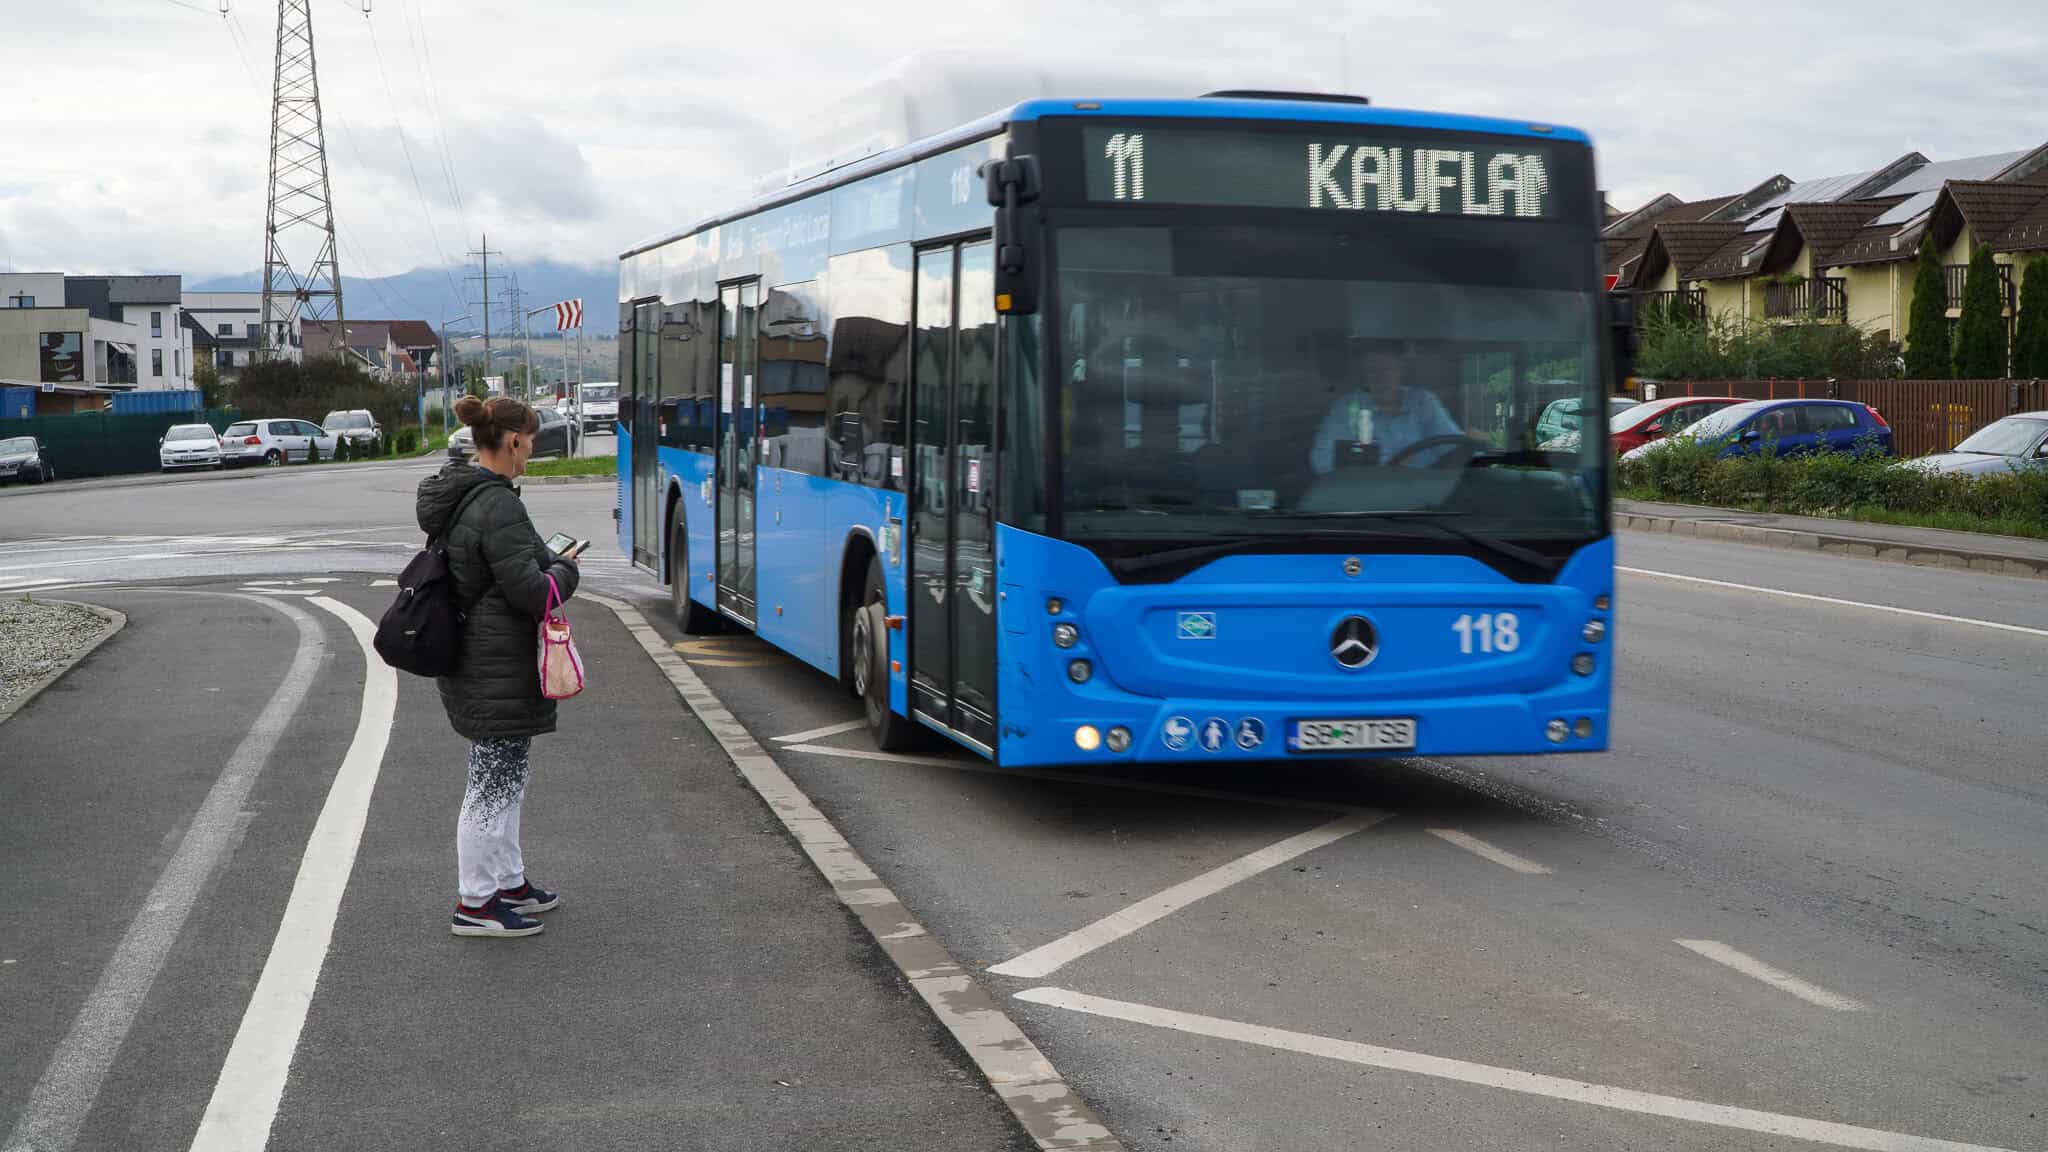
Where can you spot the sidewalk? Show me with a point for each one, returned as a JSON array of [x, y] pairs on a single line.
[[1935, 547], [699, 987]]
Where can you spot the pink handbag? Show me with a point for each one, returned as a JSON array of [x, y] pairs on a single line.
[[561, 668]]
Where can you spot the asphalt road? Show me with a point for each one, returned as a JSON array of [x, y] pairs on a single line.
[[1797, 905]]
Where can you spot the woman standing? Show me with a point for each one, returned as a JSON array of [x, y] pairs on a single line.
[[503, 574]]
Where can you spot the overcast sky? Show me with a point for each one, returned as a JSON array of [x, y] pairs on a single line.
[[134, 136]]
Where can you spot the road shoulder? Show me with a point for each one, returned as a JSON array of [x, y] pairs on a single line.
[[1930, 547]]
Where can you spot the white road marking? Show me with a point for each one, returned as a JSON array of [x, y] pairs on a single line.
[[1092, 781], [1049, 958], [64, 1096], [821, 733], [383, 583], [1481, 848], [1051, 1112], [1914, 612], [25, 585], [252, 1079], [1508, 1079], [1781, 980]]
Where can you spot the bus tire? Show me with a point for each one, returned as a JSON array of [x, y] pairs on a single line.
[[868, 625], [690, 616]]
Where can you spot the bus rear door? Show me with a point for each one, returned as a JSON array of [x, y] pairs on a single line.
[[739, 445]]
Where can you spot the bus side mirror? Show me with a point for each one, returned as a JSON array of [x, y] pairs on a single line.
[[1013, 187]]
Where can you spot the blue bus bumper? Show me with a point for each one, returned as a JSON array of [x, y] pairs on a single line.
[[1227, 662]]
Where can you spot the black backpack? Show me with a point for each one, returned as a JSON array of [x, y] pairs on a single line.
[[421, 632]]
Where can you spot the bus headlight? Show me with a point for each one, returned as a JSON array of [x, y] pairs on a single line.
[[1065, 635], [1054, 606], [1583, 729], [1087, 738], [1119, 739], [1079, 671], [1557, 731], [1602, 602], [1595, 631], [1583, 664]]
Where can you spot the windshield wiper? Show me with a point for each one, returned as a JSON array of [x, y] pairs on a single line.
[[1136, 565], [1502, 549]]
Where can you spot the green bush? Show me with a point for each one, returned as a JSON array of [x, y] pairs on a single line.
[[407, 442], [2030, 337], [312, 451], [342, 451], [1729, 348], [1862, 485]]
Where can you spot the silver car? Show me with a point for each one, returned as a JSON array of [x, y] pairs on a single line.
[[274, 441], [2001, 446], [189, 446]]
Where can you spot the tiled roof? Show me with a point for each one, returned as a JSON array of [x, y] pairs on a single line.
[[1826, 227], [1687, 244], [2029, 233], [1741, 255], [1989, 208], [1624, 248], [413, 334]]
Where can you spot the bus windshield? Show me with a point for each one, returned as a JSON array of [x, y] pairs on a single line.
[[1277, 379]]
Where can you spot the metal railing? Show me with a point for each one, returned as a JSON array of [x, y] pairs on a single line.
[[1823, 299], [1683, 304]]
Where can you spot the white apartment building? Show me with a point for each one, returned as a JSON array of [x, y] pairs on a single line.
[[121, 331]]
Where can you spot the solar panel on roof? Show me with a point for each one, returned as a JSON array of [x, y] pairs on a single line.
[[1930, 177], [1909, 208]]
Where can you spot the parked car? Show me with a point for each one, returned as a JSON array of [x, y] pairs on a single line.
[[2019, 441], [1656, 419], [1558, 425], [21, 458], [357, 426], [551, 440], [189, 446], [274, 441], [1786, 427]]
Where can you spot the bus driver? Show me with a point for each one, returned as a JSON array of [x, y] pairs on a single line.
[[1387, 413]]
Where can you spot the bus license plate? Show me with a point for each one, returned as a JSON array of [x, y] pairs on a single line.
[[1353, 735]]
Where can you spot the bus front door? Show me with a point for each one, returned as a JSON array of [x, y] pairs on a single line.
[[952, 579], [738, 450], [641, 421]]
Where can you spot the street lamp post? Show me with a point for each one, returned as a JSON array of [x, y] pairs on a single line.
[[446, 401]]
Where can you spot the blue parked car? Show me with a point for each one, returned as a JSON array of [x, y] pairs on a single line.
[[1789, 427]]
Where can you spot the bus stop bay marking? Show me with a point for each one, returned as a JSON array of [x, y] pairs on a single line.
[[1506, 1079]]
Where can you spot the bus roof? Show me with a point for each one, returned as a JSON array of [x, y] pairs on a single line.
[[1210, 108]]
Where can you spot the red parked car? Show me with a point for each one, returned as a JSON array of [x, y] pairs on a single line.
[[1656, 419]]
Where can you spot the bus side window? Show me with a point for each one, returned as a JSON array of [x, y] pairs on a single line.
[[848, 448]]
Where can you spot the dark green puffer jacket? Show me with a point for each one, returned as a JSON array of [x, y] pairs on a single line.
[[500, 567]]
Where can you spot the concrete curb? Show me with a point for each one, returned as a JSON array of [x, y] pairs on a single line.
[[1050, 1111], [115, 621], [245, 472], [525, 480], [1949, 557]]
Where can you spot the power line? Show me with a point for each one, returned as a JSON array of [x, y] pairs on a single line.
[[423, 55], [398, 125]]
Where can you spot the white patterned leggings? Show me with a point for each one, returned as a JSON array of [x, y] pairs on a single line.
[[487, 833]]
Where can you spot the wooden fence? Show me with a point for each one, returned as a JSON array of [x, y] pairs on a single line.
[[1926, 415]]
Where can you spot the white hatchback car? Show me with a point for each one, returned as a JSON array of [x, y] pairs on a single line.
[[274, 441], [189, 446]]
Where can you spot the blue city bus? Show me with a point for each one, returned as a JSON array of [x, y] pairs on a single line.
[[1148, 430]]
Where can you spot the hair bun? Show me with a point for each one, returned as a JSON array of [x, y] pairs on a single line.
[[470, 410]]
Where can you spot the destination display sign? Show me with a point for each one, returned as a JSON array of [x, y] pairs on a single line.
[[1342, 169]]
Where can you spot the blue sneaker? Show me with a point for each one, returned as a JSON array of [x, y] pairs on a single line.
[[528, 899], [493, 919]]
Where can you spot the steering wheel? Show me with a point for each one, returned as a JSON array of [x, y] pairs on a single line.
[[1472, 445]]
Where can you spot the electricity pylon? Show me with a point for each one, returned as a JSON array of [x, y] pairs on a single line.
[[301, 267]]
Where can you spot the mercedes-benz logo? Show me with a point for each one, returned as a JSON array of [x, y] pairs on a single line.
[[1354, 643]]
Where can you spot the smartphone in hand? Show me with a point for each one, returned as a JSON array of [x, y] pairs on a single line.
[[566, 546]]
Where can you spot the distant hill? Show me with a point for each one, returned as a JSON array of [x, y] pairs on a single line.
[[431, 293]]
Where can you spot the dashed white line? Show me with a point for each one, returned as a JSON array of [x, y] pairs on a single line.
[[1914, 612], [820, 733], [1781, 980], [1482, 849], [1049, 958], [1508, 1079], [252, 1079]]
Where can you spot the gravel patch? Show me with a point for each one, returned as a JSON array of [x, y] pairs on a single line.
[[38, 638]]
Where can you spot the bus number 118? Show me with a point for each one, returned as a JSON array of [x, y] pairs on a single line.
[[1494, 631]]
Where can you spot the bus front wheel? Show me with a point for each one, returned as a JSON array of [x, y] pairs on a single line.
[[868, 625], [690, 616]]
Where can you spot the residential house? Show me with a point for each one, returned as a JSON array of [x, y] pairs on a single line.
[[236, 321], [1840, 248], [386, 349]]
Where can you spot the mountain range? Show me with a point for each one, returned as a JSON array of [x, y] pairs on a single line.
[[432, 294]]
